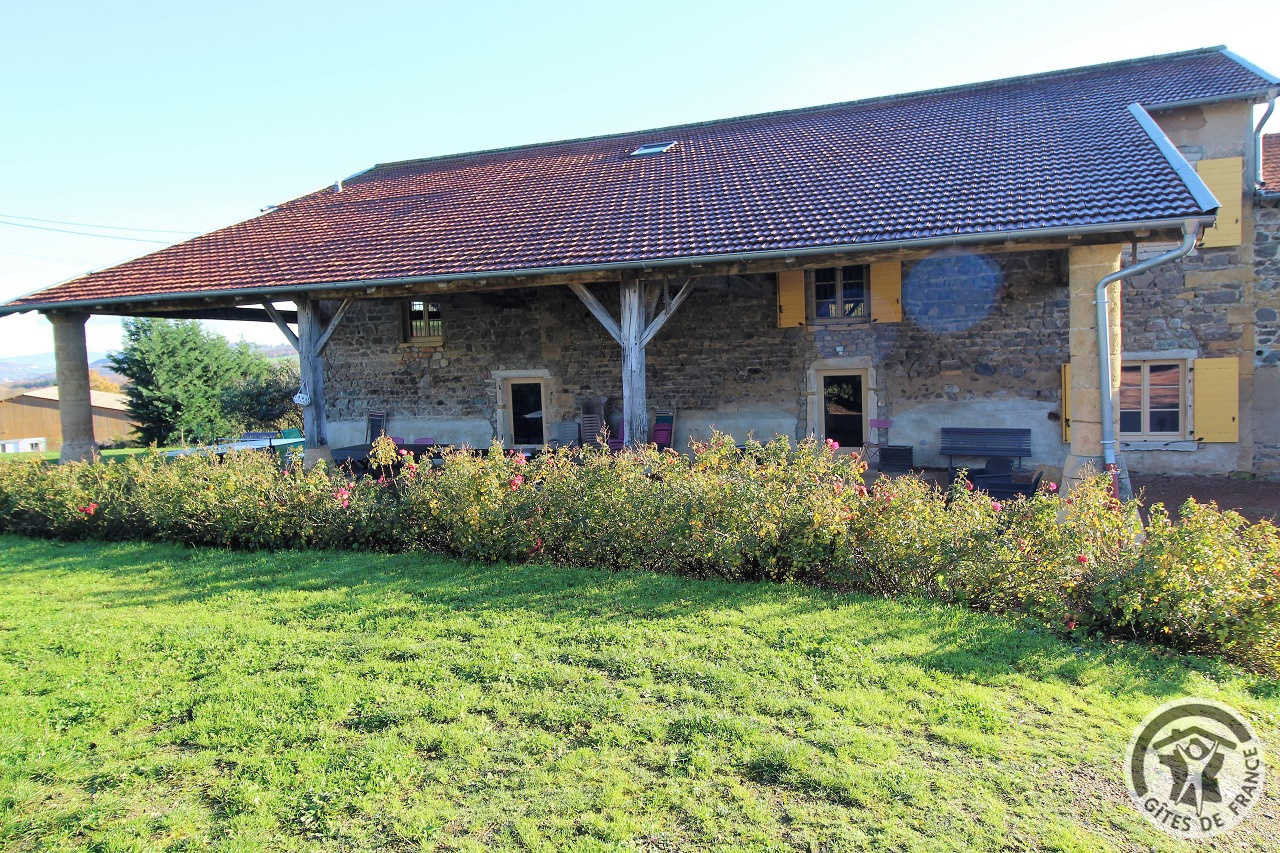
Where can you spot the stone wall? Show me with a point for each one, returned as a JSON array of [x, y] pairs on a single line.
[[1200, 307], [1266, 354], [720, 359], [977, 330], [981, 343], [1205, 306]]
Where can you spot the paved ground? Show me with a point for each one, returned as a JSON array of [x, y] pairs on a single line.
[[1254, 499]]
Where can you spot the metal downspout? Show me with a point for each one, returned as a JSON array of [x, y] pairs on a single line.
[[1257, 145], [1190, 233]]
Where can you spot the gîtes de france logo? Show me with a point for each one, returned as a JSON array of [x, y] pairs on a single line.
[[1195, 768]]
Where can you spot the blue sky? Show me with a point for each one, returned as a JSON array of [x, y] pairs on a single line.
[[189, 116]]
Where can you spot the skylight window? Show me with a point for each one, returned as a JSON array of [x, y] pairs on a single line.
[[653, 148]]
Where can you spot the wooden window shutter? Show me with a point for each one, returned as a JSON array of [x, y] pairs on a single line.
[[790, 298], [1215, 383], [1066, 403], [1225, 177], [886, 292]]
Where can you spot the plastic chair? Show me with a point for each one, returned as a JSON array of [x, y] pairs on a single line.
[[664, 427], [566, 434], [592, 425], [375, 425]]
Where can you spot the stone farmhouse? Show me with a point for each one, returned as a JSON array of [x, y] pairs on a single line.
[[869, 271]]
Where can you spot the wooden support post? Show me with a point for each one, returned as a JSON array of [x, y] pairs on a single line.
[[311, 362], [312, 337], [598, 311], [635, 417], [633, 335], [281, 324]]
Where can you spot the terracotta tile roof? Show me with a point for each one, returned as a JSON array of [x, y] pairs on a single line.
[[1045, 151], [1271, 162]]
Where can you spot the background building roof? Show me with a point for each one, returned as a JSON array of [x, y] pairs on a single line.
[[1271, 162], [98, 399]]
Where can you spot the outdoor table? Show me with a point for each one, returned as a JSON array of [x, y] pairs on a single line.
[[221, 448]]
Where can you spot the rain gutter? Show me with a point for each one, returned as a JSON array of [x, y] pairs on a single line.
[[1257, 147], [1190, 233]]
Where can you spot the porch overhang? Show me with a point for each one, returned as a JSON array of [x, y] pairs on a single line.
[[225, 304]]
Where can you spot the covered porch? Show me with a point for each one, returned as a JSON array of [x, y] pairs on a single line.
[[749, 346]]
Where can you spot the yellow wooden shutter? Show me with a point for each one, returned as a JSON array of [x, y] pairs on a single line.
[[1225, 177], [790, 298], [1216, 386], [1066, 403], [886, 292]]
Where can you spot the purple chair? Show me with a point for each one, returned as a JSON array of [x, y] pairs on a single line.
[[664, 427]]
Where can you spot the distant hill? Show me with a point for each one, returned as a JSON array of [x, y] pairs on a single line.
[[104, 368], [276, 350], [37, 371]]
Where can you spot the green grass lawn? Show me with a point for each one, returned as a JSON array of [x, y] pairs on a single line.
[[53, 455], [155, 696]]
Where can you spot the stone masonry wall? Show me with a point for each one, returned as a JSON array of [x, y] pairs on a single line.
[[721, 352], [977, 330], [1200, 307], [1266, 314], [981, 343], [1204, 306]]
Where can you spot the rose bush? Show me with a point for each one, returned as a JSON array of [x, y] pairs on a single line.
[[1206, 581]]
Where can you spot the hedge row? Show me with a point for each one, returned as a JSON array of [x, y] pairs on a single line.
[[1205, 581]]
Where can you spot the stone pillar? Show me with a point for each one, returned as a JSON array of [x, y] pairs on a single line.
[[75, 411], [1087, 265]]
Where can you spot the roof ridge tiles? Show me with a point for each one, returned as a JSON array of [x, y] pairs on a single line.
[[1025, 156], [976, 86]]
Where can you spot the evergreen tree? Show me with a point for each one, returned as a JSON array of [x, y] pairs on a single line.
[[178, 374], [266, 402]]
